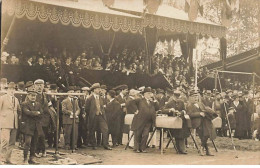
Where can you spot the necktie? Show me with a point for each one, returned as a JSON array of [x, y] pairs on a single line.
[[13, 101], [98, 105]]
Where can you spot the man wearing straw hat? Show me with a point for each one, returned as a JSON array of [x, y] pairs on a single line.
[[9, 109]]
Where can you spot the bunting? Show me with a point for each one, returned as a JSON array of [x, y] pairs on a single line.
[[152, 5], [193, 7]]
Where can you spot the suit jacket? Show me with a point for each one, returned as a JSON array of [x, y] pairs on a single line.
[[91, 109], [146, 113], [205, 123], [113, 112], [9, 111], [121, 101], [31, 122], [67, 110], [186, 124], [131, 106]]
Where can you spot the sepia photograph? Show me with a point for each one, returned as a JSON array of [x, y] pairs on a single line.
[[130, 82]]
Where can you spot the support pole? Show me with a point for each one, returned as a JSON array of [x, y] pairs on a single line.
[[6, 39], [73, 124], [253, 104], [57, 126], [216, 82], [162, 141]]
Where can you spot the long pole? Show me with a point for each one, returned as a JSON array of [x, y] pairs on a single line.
[[57, 126], [253, 104], [6, 39], [73, 124]]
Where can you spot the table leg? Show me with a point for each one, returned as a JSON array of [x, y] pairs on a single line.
[[161, 141]]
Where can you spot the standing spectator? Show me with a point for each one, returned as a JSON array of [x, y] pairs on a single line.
[[9, 111], [68, 105]]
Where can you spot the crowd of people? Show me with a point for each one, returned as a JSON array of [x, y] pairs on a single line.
[[57, 62], [88, 115]]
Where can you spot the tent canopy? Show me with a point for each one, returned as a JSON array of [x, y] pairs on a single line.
[[92, 13]]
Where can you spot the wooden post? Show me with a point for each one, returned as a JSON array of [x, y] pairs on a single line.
[[57, 126], [162, 141], [73, 125], [253, 94]]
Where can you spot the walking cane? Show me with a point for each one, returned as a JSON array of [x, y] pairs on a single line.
[[127, 145], [214, 145]]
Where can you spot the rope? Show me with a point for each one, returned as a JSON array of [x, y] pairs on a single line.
[[232, 140]]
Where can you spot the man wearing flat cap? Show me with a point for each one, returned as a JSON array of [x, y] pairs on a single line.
[[201, 119], [31, 125], [144, 119], [121, 98], [68, 105], [113, 111], [95, 110], [9, 111]]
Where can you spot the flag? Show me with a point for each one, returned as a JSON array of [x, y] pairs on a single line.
[[192, 7], [193, 11], [108, 3], [152, 5]]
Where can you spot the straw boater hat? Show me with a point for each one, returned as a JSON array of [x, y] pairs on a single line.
[[39, 81], [11, 85]]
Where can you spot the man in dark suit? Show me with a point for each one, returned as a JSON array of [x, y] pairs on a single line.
[[144, 119], [201, 117], [176, 107], [83, 135], [68, 106], [113, 111], [249, 111], [31, 125], [121, 98], [96, 116], [131, 108], [206, 100]]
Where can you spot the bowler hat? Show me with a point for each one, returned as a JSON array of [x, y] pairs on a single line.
[[3, 80], [70, 88], [95, 86], [20, 85], [147, 89], [103, 87], [53, 87], [11, 85], [112, 93], [29, 84]]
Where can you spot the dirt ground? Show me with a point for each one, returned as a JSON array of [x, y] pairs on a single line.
[[119, 156]]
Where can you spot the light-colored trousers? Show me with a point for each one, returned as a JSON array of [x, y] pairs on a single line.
[[8, 138]]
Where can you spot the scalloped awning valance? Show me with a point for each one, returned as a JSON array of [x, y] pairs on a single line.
[[77, 17]]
